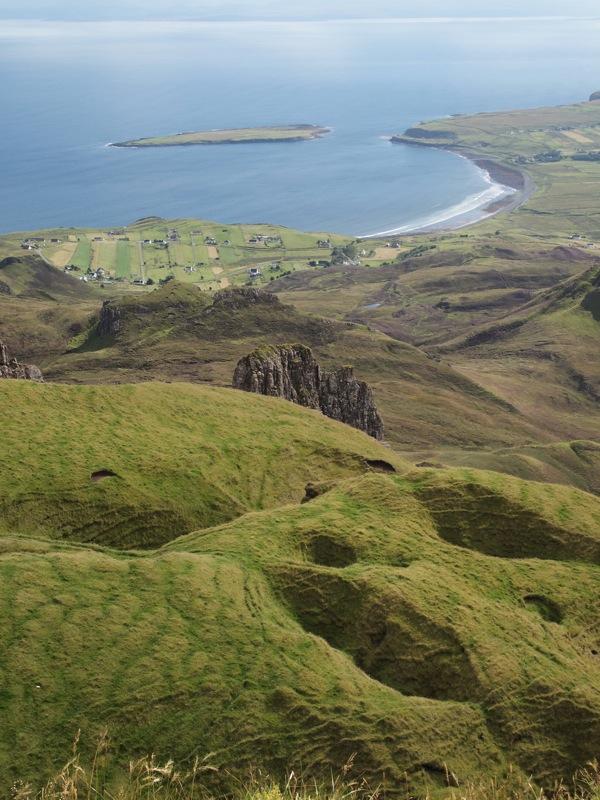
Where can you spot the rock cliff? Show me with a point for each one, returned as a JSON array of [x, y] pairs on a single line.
[[109, 323], [10, 367], [292, 373]]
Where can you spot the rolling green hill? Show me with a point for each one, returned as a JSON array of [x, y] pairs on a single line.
[[135, 466], [439, 624]]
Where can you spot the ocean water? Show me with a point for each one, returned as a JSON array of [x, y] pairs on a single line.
[[68, 89]]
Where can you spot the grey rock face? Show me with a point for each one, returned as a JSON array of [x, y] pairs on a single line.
[[349, 400], [109, 323], [10, 368], [291, 372]]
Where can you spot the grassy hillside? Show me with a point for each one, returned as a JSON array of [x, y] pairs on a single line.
[[542, 357], [178, 332], [183, 457], [439, 624]]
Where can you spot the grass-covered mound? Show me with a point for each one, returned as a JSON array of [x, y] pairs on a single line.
[[402, 574], [135, 466], [439, 624]]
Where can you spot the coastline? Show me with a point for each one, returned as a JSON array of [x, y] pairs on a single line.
[[508, 189]]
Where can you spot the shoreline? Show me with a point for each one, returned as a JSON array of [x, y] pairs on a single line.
[[509, 189]]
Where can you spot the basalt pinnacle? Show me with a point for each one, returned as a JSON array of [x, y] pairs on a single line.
[[292, 373]]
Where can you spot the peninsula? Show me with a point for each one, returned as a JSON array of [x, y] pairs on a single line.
[[279, 133]]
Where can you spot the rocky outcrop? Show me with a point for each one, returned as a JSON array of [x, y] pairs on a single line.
[[10, 368], [292, 373], [289, 371], [109, 323], [351, 401], [243, 297], [594, 96]]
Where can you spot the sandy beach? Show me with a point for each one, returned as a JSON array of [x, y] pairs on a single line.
[[508, 188]]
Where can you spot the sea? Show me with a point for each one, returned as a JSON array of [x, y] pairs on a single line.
[[69, 89]]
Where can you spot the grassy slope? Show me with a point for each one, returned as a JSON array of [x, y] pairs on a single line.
[[185, 456], [356, 623], [176, 332], [372, 568]]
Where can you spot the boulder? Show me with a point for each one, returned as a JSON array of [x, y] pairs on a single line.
[[292, 373], [10, 368]]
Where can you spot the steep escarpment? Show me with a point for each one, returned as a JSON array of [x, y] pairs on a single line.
[[11, 368], [292, 373]]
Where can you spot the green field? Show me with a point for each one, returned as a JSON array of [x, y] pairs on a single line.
[[83, 255], [178, 248], [285, 133]]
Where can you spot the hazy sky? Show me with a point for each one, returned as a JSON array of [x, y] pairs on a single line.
[[287, 9]]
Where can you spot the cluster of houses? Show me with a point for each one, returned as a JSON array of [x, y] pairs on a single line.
[[324, 244], [98, 274], [210, 241], [157, 242], [35, 242], [259, 238]]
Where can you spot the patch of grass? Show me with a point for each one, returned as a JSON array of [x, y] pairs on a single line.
[[150, 779], [82, 257]]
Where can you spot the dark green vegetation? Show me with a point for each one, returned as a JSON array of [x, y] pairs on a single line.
[[160, 573], [282, 133]]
